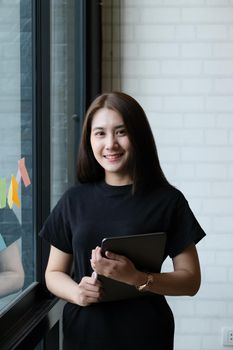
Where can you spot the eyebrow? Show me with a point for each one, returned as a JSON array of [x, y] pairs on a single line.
[[102, 128]]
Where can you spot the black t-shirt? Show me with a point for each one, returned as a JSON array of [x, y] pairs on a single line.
[[82, 218], [10, 228]]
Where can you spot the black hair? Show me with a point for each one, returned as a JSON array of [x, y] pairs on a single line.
[[145, 169]]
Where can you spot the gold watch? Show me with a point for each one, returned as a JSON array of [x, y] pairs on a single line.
[[150, 280]]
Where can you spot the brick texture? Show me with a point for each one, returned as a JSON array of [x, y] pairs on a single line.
[[175, 58]]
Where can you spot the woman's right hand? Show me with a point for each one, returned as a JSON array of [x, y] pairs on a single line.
[[60, 283], [89, 291]]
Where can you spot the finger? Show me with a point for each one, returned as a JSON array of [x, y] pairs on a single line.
[[86, 281], [98, 254], [93, 254], [89, 299], [97, 283], [90, 283], [93, 294], [113, 256], [94, 276], [92, 264], [92, 300]]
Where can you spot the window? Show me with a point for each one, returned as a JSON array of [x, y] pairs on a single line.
[[50, 70], [17, 249], [62, 92]]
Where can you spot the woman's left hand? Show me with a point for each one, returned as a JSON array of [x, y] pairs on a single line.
[[114, 266]]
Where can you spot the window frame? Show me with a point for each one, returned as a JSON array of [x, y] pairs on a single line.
[[36, 315]]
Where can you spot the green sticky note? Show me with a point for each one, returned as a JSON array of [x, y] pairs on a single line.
[[2, 193]]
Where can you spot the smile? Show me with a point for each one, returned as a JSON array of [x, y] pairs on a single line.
[[113, 156]]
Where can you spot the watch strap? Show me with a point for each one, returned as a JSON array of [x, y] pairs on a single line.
[[150, 280]]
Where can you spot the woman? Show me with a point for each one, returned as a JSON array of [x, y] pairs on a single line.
[[11, 268], [123, 191]]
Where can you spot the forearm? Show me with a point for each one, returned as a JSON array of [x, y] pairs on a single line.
[[10, 282], [62, 285], [174, 283]]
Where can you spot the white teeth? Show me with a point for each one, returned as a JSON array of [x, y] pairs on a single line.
[[114, 156]]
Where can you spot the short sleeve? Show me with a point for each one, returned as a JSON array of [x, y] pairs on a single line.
[[184, 229], [56, 229]]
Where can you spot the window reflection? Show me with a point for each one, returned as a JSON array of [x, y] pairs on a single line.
[[17, 251], [11, 267]]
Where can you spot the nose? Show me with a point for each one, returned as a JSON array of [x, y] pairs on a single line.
[[111, 141]]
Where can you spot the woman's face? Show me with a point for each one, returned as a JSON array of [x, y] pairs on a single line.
[[111, 146]]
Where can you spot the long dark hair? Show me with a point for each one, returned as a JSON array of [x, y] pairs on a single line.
[[145, 170]]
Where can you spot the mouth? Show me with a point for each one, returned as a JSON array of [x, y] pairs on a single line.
[[114, 156]]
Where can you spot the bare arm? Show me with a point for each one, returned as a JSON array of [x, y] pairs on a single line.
[[60, 283], [11, 270], [184, 280]]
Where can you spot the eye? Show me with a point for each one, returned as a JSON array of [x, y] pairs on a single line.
[[121, 132], [99, 133]]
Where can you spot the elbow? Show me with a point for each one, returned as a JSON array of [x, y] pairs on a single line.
[[47, 275], [19, 278], [49, 279], [194, 287], [17, 282], [20, 282], [193, 292]]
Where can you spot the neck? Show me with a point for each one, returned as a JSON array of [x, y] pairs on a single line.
[[118, 180]]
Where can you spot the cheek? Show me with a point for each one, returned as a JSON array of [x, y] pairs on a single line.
[[93, 144], [127, 145], [96, 147]]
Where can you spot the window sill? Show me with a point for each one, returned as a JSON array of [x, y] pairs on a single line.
[[26, 323]]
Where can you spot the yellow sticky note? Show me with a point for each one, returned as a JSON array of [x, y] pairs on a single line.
[[9, 197], [15, 186]]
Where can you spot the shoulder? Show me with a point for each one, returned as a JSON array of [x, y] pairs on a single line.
[[166, 198], [175, 194], [75, 193], [78, 190], [168, 193]]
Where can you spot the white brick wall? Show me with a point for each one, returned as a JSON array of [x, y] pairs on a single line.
[[176, 58]]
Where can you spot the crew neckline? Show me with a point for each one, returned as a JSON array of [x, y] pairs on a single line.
[[115, 189]]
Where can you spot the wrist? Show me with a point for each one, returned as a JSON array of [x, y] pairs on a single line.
[[75, 294], [148, 281], [140, 279]]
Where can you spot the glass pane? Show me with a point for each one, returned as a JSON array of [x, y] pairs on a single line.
[[40, 346], [62, 96], [17, 265]]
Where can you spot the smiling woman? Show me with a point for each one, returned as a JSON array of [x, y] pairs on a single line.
[[121, 192], [111, 146]]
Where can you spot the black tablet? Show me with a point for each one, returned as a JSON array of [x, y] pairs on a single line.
[[146, 251]]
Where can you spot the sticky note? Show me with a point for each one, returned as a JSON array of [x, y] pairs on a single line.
[[24, 172], [9, 197], [2, 193], [15, 196], [18, 176]]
